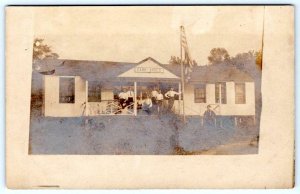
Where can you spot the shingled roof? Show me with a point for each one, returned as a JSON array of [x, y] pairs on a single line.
[[219, 73], [107, 70]]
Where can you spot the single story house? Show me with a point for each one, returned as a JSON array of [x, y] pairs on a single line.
[[88, 88]]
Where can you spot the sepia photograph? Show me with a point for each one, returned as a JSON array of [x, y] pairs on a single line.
[[123, 82], [148, 97]]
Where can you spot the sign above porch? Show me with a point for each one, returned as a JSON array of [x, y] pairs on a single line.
[[149, 68]]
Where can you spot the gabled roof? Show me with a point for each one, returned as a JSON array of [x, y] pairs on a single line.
[[107, 70], [149, 58], [149, 69]]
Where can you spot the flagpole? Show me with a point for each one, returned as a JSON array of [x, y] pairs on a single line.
[[182, 74]]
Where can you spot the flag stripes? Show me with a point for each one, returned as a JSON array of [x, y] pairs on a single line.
[[187, 61]]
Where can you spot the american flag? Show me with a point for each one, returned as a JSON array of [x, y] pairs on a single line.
[[187, 61]]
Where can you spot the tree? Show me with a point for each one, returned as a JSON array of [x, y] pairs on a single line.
[[177, 61], [250, 61], [218, 55], [42, 51], [243, 60]]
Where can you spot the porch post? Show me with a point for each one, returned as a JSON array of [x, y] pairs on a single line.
[[235, 122], [220, 102], [86, 97], [179, 99], [134, 100]]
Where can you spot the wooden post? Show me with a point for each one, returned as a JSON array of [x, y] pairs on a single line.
[[220, 102], [215, 122], [182, 75], [220, 93], [86, 97], [179, 99], [235, 122], [135, 102]]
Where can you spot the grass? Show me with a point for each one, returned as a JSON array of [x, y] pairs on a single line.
[[141, 135]]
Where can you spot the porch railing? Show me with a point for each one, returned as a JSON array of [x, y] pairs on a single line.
[[112, 108]]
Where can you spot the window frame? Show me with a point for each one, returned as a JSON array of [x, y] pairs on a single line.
[[99, 99], [65, 96], [203, 88], [244, 93], [223, 93]]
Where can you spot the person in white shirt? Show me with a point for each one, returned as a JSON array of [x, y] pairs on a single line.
[[130, 95], [153, 95], [147, 104], [159, 100], [171, 97], [123, 97]]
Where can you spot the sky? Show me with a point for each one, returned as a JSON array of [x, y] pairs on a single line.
[[131, 33]]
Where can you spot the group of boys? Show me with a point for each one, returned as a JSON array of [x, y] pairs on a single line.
[[126, 98]]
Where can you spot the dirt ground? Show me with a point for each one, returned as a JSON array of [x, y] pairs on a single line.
[[141, 135]]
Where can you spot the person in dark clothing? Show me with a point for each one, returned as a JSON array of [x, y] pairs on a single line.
[[123, 97], [209, 117], [130, 95], [139, 103]]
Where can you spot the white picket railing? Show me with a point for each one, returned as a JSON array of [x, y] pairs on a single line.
[[111, 108]]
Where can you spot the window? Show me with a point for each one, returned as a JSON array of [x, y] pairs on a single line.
[[240, 93], [220, 93], [200, 93], [66, 90], [94, 92]]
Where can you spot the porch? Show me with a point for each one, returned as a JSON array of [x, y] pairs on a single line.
[[102, 98]]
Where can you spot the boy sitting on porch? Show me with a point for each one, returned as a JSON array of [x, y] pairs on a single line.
[[147, 105], [123, 97], [139, 103], [130, 95]]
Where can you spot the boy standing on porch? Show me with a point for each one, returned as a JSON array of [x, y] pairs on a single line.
[[159, 100], [171, 96], [154, 95]]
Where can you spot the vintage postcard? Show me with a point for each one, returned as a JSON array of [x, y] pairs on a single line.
[[150, 89]]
